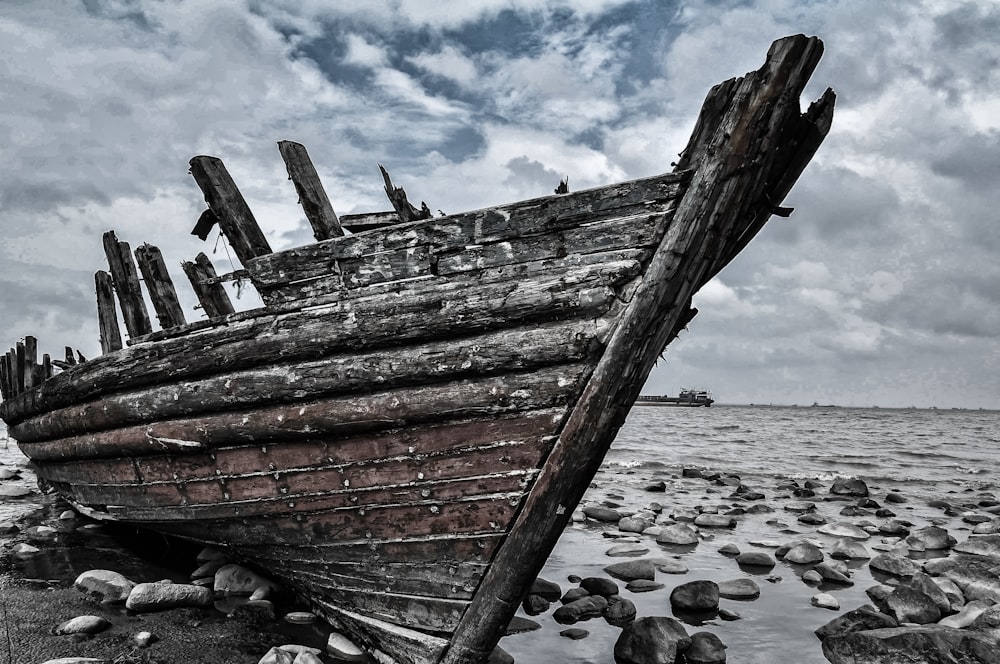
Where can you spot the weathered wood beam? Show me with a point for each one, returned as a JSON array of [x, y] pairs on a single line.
[[46, 367], [126, 282], [366, 221], [403, 207], [107, 313], [20, 378], [160, 286], [229, 206], [731, 171], [315, 203], [211, 293], [30, 363], [6, 389]]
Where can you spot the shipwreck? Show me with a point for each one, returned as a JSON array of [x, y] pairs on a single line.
[[402, 431]]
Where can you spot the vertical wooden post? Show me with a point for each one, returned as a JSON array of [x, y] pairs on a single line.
[[30, 362], [126, 282], [211, 294], [5, 388], [46, 367], [228, 204], [107, 314], [19, 358], [397, 197], [315, 203], [160, 287], [70, 357]]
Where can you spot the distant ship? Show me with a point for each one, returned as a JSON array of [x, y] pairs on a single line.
[[684, 398]]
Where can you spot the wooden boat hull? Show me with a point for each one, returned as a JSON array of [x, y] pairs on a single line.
[[404, 429]]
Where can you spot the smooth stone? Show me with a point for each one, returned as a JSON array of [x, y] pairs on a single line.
[[765, 543], [83, 625], [812, 577], [990, 527], [625, 550], [825, 601], [109, 585], [976, 583], [744, 589], [831, 574], [574, 594], [909, 605], [67, 515], [980, 545], [521, 625], [800, 506], [235, 579], [277, 656], [620, 612], [729, 550], [929, 587], [850, 549], [300, 617], [642, 586], [988, 620], [145, 639], [22, 550], [811, 519], [756, 559], [651, 640], [307, 658], [728, 615], [584, 608], [14, 491], [634, 524], [705, 648], [598, 585], [207, 569], [845, 486], [677, 533], [932, 644], [894, 497], [656, 487], [211, 553], [862, 618], [669, 566], [966, 616], [714, 521], [146, 597], [701, 595], [535, 605], [342, 647], [550, 590], [604, 514], [632, 570], [894, 564], [803, 553], [931, 538], [574, 633], [8, 528], [842, 529]]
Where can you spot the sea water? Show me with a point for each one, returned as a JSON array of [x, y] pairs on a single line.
[[925, 455]]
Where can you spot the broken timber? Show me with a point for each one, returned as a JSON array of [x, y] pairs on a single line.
[[402, 432]]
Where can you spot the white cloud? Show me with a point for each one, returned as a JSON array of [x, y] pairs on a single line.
[[448, 62]]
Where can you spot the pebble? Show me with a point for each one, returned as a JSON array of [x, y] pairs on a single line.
[[145, 639], [714, 521], [574, 633], [642, 586], [729, 549], [22, 550], [106, 584], [743, 589], [600, 513], [83, 625], [842, 529], [669, 566], [701, 595], [625, 550], [677, 533], [632, 570], [300, 617], [147, 597]]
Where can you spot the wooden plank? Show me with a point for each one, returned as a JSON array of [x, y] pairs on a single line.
[[731, 171], [380, 637], [229, 206], [160, 286], [535, 217], [315, 203], [30, 362], [107, 313], [126, 282], [359, 223], [6, 390], [46, 367], [211, 294], [463, 307], [20, 360]]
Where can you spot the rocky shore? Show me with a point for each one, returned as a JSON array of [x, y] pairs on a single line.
[[697, 567]]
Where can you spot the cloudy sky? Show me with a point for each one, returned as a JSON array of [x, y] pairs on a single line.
[[882, 288]]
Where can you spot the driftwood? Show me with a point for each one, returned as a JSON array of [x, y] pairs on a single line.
[[230, 208], [211, 294], [107, 313], [126, 283], [159, 286], [315, 203], [404, 209]]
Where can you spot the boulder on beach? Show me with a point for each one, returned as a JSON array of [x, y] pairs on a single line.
[[620, 611], [980, 545], [635, 524], [930, 538], [632, 570], [976, 582], [147, 597], [742, 589], [894, 564], [833, 573], [825, 601], [966, 615], [850, 549], [705, 648], [677, 533], [107, 585], [849, 486], [932, 644], [803, 553], [651, 640], [584, 608], [669, 566], [598, 585], [701, 595], [627, 550], [759, 559], [909, 605], [864, 617]]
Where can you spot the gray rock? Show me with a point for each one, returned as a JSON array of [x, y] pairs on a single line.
[[83, 625], [759, 559], [14, 491], [574, 633], [677, 533], [976, 583], [547, 589], [850, 549], [804, 553], [927, 644], [144, 639], [981, 545], [343, 648], [632, 570], [894, 564], [147, 597], [909, 605], [8, 528], [8, 473], [535, 605], [701, 595], [600, 513], [669, 566], [812, 577], [990, 527], [584, 608], [22, 550], [831, 574], [843, 529], [597, 585], [705, 648], [620, 611], [277, 656], [651, 640], [843, 486], [825, 601], [41, 533], [642, 586], [238, 580], [714, 521], [626, 550], [988, 620], [106, 584], [634, 524], [729, 549], [743, 588], [863, 618], [927, 586], [966, 616], [574, 594], [799, 506], [930, 538]]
